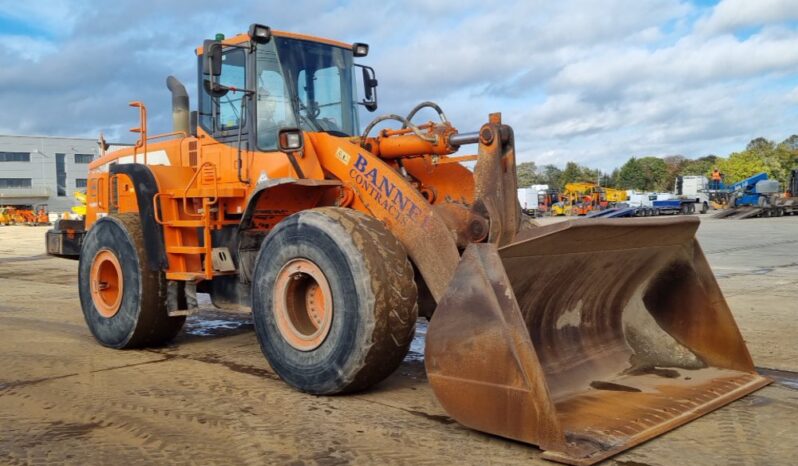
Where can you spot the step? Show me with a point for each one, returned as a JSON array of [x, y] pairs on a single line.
[[194, 276], [185, 250], [184, 223]]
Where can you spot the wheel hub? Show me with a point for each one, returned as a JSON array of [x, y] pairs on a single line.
[[106, 283], [302, 303]]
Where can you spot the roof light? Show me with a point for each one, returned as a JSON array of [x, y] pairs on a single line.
[[359, 49], [219, 36], [259, 33]]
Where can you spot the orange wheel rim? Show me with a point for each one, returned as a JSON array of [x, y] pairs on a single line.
[[106, 283], [302, 303]]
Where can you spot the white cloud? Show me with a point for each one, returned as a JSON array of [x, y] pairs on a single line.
[[26, 47], [729, 15], [593, 82]]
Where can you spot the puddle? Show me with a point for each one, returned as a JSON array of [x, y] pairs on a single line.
[[416, 352], [784, 378], [211, 321], [214, 327]]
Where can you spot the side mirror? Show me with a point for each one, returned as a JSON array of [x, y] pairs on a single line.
[[369, 87], [290, 140], [369, 82], [214, 89], [212, 57]]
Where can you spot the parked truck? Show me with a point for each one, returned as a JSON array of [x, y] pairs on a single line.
[[690, 196], [532, 199]]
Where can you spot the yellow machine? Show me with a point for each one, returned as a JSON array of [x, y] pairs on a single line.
[[80, 210], [5, 216], [583, 197], [615, 195], [338, 240]]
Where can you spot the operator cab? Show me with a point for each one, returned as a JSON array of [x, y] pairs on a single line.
[[254, 85]]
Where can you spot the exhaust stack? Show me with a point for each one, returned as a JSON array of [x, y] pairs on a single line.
[[180, 109]]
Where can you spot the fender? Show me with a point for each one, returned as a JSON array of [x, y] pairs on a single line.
[[146, 187], [286, 198]]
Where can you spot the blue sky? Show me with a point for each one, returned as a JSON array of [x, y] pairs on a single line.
[[593, 82]]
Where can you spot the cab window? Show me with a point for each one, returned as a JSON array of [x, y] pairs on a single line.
[[233, 75]]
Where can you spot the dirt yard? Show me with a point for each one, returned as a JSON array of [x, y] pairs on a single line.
[[211, 398]]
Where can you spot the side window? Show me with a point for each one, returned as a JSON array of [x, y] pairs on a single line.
[[325, 106], [233, 75], [327, 83]]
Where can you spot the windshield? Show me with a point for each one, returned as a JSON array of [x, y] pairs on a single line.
[[304, 84]]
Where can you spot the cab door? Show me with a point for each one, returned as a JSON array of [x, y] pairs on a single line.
[[225, 125]]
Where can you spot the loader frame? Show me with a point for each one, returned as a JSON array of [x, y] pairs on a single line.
[[513, 348]]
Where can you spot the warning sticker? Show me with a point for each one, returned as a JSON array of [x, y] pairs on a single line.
[[342, 156]]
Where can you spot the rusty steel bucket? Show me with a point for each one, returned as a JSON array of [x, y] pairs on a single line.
[[587, 337]]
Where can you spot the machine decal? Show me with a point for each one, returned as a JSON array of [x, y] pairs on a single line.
[[343, 156], [385, 192], [157, 157]]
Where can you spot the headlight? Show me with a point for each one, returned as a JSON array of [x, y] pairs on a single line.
[[290, 139]]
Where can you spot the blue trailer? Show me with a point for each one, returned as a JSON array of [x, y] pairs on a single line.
[[674, 206]]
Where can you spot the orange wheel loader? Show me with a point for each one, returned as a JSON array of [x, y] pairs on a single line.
[[584, 338]]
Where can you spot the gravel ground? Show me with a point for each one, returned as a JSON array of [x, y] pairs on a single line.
[[211, 398]]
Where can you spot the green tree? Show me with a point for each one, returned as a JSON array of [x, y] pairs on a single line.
[[675, 165], [787, 154], [741, 165], [700, 166], [760, 145], [644, 174], [527, 174], [551, 175], [655, 174], [791, 142], [761, 155], [630, 175], [570, 174], [610, 180]]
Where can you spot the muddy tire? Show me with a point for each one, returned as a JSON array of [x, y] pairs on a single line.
[[333, 300], [123, 301]]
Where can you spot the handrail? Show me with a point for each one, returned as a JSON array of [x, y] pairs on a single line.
[[155, 205], [191, 182], [172, 133], [142, 130]]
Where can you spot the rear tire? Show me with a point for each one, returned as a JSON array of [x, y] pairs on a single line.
[[704, 208], [366, 333], [123, 301]]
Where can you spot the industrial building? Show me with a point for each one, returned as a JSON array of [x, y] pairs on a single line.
[[37, 170]]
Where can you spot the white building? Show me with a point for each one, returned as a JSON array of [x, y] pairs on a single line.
[[38, 170]]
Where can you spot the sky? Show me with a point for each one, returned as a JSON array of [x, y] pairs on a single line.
[[578, 80]]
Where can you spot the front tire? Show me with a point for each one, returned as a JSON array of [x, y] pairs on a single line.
[[123, 301], [333, 300]]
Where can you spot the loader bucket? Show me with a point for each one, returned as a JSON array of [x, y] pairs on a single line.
[[587, 337]]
